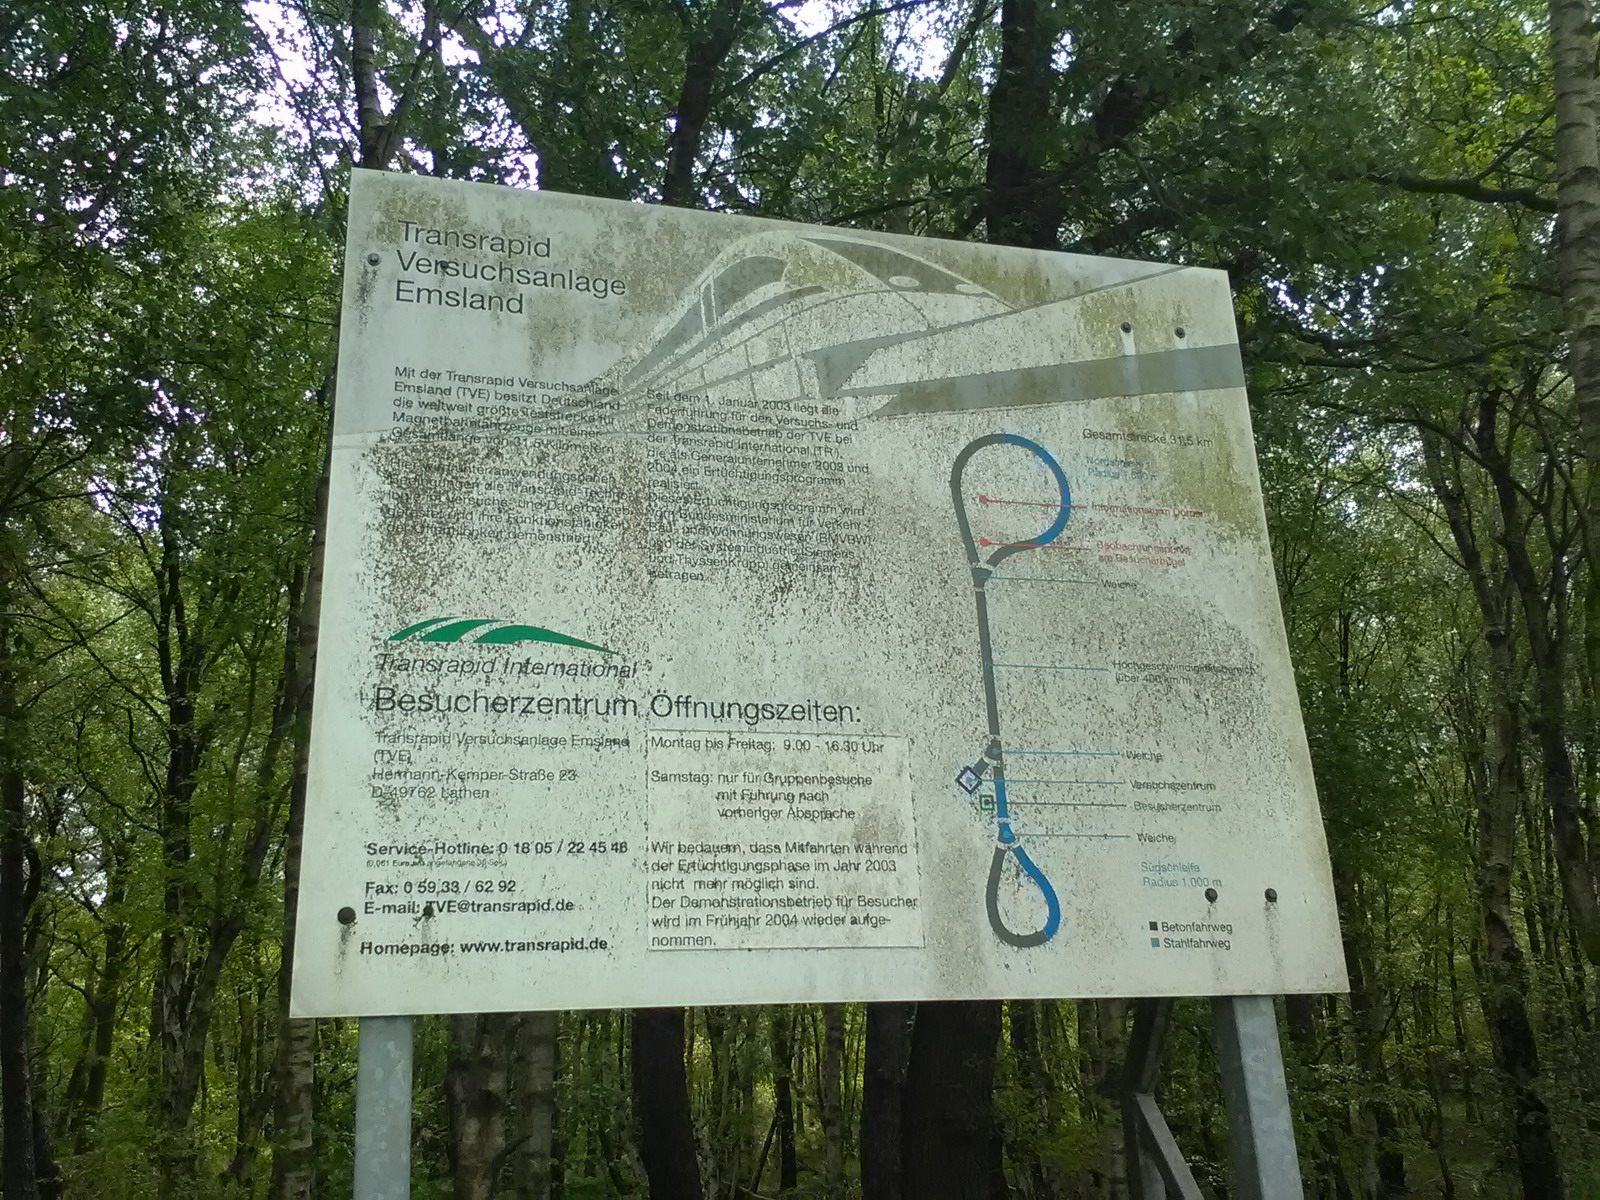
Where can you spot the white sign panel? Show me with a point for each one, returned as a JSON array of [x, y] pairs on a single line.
[[721, 611]]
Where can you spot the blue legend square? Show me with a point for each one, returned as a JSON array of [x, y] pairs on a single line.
[[1156, 942]]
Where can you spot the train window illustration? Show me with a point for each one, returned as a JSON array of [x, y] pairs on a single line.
[[742, 278], [897, 270], [688, 327]]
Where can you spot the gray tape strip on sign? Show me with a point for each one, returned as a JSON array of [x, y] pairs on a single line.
[[1203, 368]]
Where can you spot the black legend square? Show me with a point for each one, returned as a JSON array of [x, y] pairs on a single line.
[[1152, 926]]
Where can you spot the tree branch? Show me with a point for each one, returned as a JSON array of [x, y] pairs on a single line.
[[1469, 189]]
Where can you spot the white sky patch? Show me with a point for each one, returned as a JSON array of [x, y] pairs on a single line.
[[920, 43], [289, 42], [452, 49]]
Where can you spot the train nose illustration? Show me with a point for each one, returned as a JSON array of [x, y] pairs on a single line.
[[983, 557]]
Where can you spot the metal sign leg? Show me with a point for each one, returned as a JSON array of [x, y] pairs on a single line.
[[1156, 1169], [1260, 1125], [383, 1109]]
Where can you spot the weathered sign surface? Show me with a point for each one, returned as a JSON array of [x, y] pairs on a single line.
[[720, 610]]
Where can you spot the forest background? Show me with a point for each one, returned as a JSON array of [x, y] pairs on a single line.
[[1407, 199]]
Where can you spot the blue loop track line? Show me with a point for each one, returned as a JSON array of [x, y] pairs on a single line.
[[992, 761]]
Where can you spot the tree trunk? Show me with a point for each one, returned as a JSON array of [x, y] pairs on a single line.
[[783, 1100], [372, 133], [949, 1148], [708, 44], [830, 1100], [475, 1085], [1572, 47], [27, 1166], [534, 1091], [1543, 611], [86, 1089], [1577, 153], [1028, 1052], [1020, 207], [178, 1016], [20, 1175], [1504, 974], [295, 1093], [882, 1094], [294, 1102], [1383, 1163], [1110, 1019], [252, 1093], [198, 933], [661, 1105]]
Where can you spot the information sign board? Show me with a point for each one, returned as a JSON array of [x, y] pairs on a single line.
[[721, 610]]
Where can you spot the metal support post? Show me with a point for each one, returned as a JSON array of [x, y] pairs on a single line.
[[1155, 1163], [383, 1109], [1260, 1125]]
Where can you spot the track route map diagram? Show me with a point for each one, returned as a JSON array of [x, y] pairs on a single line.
[[727, 611], [983, 562]]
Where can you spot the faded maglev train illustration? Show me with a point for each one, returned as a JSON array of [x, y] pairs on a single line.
[[764, 319]]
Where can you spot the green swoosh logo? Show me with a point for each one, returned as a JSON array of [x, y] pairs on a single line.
[[489, 633]]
